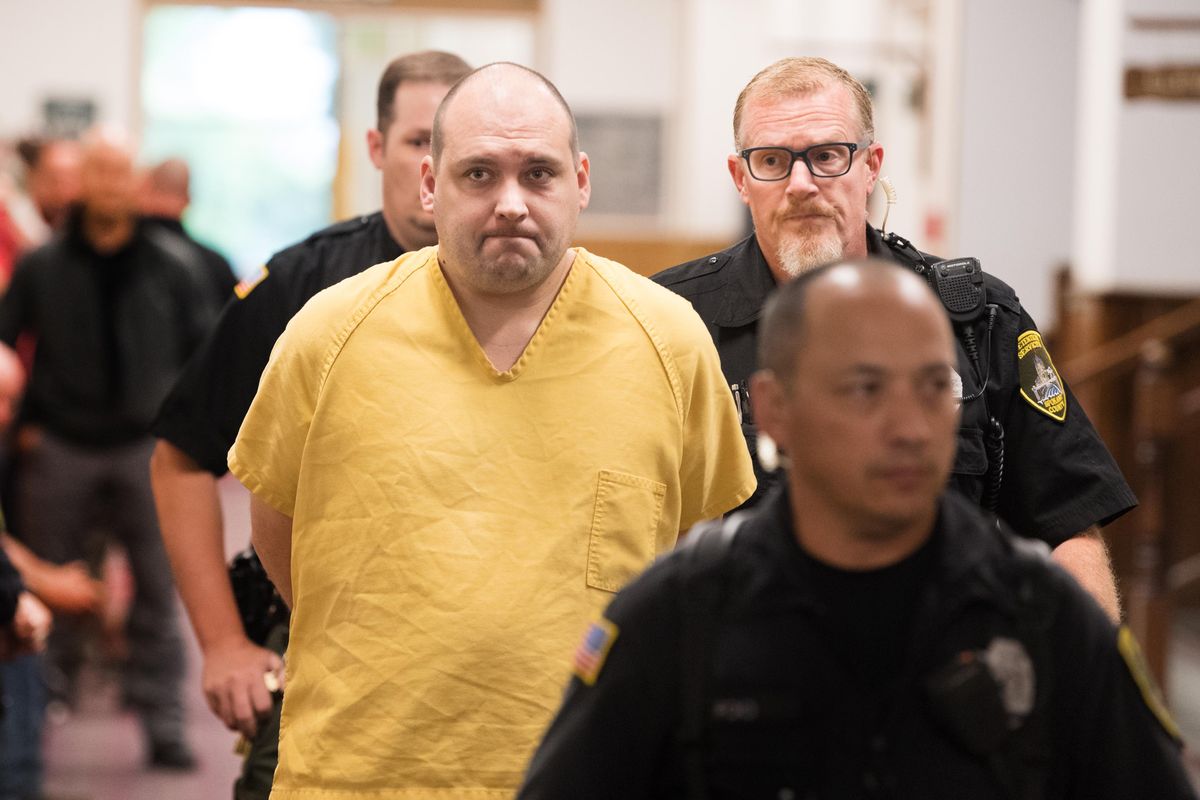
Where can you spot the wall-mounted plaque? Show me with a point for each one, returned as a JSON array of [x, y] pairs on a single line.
[[627, 162], [1171, 82]]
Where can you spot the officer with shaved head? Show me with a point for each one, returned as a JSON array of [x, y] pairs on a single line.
[[864, 632]]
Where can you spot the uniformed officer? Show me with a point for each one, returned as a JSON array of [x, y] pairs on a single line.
[[862, 633], [200, 419], [806, 162]]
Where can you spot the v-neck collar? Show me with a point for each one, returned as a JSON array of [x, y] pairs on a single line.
[[535, 342]]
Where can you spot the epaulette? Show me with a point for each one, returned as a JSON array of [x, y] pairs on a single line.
[[341, 228], [904, 250], [691, 270]]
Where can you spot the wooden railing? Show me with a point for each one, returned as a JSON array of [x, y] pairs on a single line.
[[1147, 360]]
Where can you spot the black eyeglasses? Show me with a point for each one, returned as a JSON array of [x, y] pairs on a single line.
[[830, 160]]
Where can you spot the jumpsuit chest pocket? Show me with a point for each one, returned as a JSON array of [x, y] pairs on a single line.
[[624, 528]]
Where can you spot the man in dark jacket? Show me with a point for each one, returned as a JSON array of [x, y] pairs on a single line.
[[164, 195], [115, 311]]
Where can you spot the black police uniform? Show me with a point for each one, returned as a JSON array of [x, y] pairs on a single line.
[[1047, 478], [983, 671], [204, 411]]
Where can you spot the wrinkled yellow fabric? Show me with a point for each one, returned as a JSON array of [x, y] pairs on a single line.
[[455, 528]]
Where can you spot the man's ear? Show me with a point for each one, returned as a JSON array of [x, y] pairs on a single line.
[[427, 183], [768, 399], [583, 175], [737, 171], [375, 147], [874, 165]]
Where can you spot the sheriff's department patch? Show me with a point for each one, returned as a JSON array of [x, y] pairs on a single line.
[[1040, 383], [246, 285], [1140, 672], [590, 655]]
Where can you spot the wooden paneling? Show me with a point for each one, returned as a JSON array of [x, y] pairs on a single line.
[[1133, 361], [649, 256]]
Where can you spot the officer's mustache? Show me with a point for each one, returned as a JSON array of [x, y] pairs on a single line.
[[809, 209]]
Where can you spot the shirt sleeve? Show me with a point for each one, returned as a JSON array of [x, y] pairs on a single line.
[[716, 473], [612, 738], [1059, 478], [14, 303], [266, 456], [202, 414], [10, 585], [1116, 736]]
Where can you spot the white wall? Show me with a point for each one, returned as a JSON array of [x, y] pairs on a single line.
[[1117, 217], [1159, 163], [1018, 139], [66, 48]]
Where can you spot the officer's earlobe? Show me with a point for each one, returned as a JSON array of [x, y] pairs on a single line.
[[734, 163], [767, 398]]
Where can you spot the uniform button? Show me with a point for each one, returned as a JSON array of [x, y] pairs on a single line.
[[879, 744], [786, 794], [712, 259]]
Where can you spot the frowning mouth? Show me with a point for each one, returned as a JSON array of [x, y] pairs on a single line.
[[509, 235]]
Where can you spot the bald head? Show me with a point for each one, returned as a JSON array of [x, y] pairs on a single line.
[[800, 309], [502, 82], [165, 189], [107, 177], [859, 389]]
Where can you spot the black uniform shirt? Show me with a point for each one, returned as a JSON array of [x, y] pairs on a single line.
[[204, 411], [112, 331], [786, 714], [1057, 478]]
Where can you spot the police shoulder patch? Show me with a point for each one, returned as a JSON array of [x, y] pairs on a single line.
[[590, 655], [1041, 385], [247, 284], [1135, 662]]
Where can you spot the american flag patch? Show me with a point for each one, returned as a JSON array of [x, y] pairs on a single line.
[[590, 655], [247, 285]]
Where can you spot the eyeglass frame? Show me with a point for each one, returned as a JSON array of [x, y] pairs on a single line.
[[802, 155]]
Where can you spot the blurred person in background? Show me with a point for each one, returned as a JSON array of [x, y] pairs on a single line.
[[66, 589], [39, 181], [163, 197], [116, 312], [52, 177], [242, 641]]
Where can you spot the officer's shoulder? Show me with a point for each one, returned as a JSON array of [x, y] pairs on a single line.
[[1001, 293], [702, 273], [906, 253], [346, 227], [306, 254]]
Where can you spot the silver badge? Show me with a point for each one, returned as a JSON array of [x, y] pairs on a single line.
[[1012, 668], [956, 386]]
